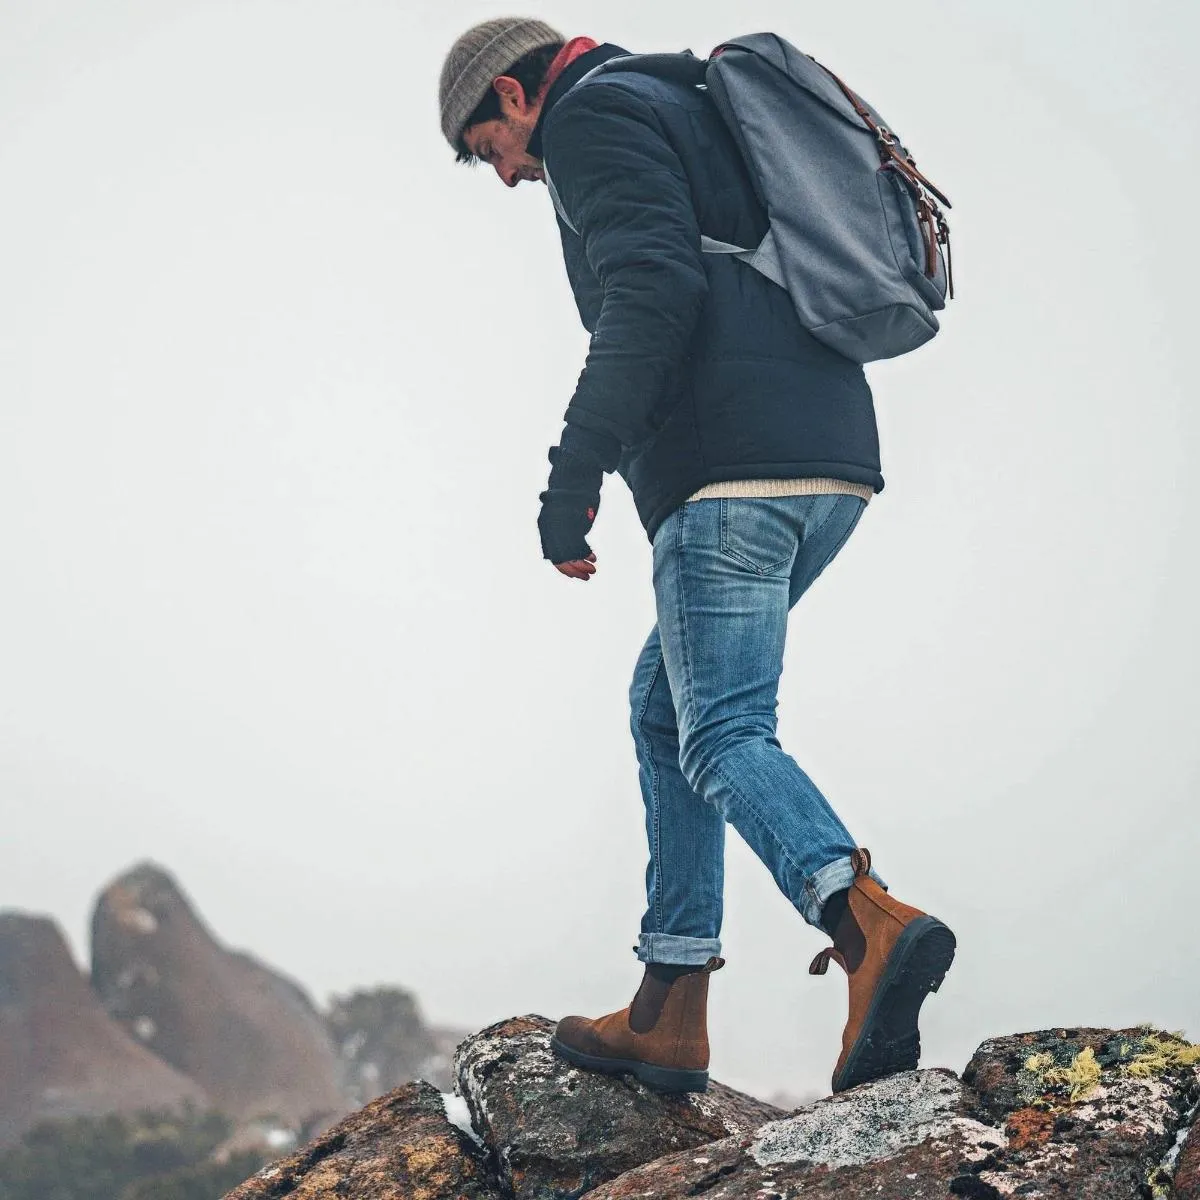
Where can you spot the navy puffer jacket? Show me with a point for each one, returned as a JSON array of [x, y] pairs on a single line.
[[699, 370]]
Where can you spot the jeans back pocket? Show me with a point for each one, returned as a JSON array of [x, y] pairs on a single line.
[[759, 534]]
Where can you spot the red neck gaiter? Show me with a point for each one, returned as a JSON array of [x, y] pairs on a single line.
[[574, 49]]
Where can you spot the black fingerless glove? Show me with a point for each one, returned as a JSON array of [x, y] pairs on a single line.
[[564, 523], [572, 496]]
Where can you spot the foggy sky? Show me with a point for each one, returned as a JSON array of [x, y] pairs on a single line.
[[277, 380]]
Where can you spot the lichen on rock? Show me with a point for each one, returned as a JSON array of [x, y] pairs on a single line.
[[867, 1124], [1080, 1077], [1074, 1114], [555, 1130], [401, 1146], [1091, 1105]]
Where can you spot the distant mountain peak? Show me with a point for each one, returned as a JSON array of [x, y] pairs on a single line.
[[60, 1054]]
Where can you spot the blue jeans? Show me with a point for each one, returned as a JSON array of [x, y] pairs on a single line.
[[702, 713]]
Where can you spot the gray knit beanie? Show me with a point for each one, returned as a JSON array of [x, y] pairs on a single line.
[[480, 56]]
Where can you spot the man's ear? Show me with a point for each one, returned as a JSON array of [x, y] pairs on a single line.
[[511, 93]]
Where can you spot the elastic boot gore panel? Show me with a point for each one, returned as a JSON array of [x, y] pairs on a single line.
[[671, 1056]]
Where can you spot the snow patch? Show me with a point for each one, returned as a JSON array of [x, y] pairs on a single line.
[[459, 1115], [140, 920], [279, 1138], [137, 973], [1189, 1119], [538, 1064], [1172, 1156]]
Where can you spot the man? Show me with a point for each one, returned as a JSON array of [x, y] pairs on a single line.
[[751, 451]]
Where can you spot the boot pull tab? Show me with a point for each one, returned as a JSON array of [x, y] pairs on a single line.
[[713, 964], [860, 860], [820, 964]]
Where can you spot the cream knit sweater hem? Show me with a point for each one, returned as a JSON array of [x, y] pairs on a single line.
[[741, 489]]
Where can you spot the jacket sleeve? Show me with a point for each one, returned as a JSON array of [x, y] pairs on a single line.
[[624, 188]]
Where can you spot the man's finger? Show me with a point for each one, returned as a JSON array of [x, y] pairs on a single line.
[[576, 569]]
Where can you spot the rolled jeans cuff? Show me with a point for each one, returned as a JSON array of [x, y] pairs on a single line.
[[836, 876], [675, 950]]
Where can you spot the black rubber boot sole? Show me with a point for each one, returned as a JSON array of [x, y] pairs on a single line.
[[661, 1079], [889, 1040]]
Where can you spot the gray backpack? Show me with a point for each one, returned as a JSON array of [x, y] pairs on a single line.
[[855, 233]]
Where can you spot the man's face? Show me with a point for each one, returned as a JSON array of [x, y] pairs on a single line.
[[503, 142]]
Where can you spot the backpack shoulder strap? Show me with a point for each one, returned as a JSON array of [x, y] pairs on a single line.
[[683, 67]]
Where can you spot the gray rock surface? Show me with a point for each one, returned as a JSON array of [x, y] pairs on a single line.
[[1093, 1112], [1083, 1114], [557, 1131], [901, 1137], [1186, 1171], [61, 1055], [1069, 1114]]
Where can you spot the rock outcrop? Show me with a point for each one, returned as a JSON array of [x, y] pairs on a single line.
[[400, 1147], [384, 1042], [1097, 1105], [60, 1054], [1082, 1113], [250, 1037], [1185, 1171], [901, 1137], [1073, 1114], [558, 1131]]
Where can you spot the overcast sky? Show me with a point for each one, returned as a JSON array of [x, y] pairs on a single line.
[[277, 381]]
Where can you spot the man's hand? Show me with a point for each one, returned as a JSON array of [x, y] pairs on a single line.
[[572, 498], [581, 568], [565, 521]]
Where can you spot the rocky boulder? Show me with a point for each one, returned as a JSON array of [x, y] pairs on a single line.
[[1074, 1114], [384, 1042], [400, 1147], [555, 1130], [250, 1037], [1096, 1111], [1185, 1170], [898, 1138], [61, 1055], [1081, 1114]]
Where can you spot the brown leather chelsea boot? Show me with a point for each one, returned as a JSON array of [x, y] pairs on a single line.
[[893, 956], [661, 1037]]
